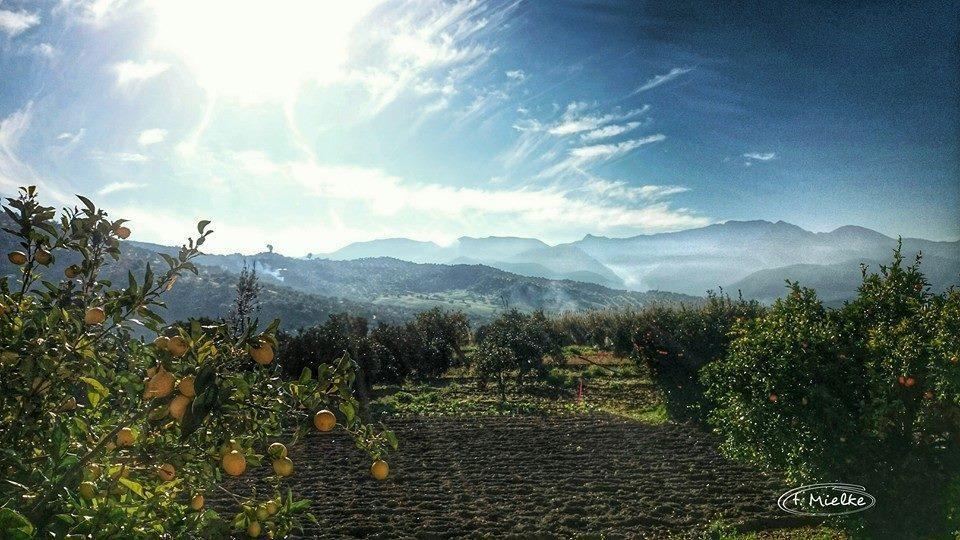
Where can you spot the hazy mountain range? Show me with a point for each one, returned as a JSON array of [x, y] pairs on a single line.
[[372, 280], [753, 256]]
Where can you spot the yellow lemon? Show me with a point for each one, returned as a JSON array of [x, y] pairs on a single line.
[[186, 386], [380, 469], [234, 463], [283, 467], [125, 437], [166, 472], [177, 346], [324, 420], [87, 490], [94, 315], [277, 450], [262, 353], [178, 407]]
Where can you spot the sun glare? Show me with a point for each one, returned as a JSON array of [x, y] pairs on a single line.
[[259, 51]]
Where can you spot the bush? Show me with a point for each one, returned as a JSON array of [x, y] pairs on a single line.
[[867, 393], [675, 344], [515, 342], [424, 348], [94, 439]]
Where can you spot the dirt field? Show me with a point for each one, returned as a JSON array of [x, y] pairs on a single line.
[[533, 476]]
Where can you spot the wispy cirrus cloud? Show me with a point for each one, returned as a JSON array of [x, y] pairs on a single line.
[[583, 156], [14, 171], [576, 120], [620, 190], [118, 186], [13, 23], [657, 80], [609, 131], [123, 157], [429, 48], [760, 156], [130, 73]]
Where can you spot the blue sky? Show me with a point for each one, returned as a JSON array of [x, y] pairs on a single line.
[[309, 125]]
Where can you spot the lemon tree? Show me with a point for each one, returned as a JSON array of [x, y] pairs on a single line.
[[114, 422]]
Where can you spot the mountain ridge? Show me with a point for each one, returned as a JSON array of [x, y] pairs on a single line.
[[693, 261]]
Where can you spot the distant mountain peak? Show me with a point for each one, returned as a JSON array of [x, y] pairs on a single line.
[[858, 231]]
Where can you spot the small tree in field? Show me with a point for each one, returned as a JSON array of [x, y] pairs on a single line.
[[105, 433], [516, 343], [246, 305]]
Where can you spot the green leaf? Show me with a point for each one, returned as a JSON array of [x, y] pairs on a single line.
[[348, 410], [198, 411], [15, 525], [88, 203], [133, 486], [205, 377], [96, 385], [391, 438], [202, 225]]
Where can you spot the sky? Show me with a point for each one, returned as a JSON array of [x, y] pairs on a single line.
[[309, 125]]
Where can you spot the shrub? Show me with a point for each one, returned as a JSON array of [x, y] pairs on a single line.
[[323, 344], [675, 344], [94, 439], [515, 342], [867, 393], [424, 348], [438, 336]]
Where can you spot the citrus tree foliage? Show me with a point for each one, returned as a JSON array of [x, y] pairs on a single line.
[[423, 348], [114, 423], [515, 343], [869, 392], [675, 344]]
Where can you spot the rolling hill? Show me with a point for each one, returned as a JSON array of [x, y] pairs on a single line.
[[402, 285]]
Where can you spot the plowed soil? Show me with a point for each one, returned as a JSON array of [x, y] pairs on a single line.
[[532, 476]]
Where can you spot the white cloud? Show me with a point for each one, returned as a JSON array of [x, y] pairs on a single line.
[[583, 156], [118, 186], [91, 12], [620, 190], [760, 156], [44, 50], [148, 137], [516, 75], [537, 207], [129, 157], [13, 23], [609, 131], [576, 118], [661, 79], [606, 151], [67, 142], [130, 72], [430, 48]]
